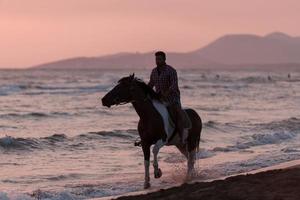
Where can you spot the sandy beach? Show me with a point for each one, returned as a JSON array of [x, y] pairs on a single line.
[[280, 182]]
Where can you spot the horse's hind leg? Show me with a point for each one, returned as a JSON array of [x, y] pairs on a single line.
[[190, 156], [191, 163], [183, 150], [157, 171]]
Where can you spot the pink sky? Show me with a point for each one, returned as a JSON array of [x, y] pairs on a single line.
[[38, 31]]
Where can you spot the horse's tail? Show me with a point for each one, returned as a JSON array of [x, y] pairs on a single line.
[[199, 138], [198, 141], [197, 149], [196, 128], [198, 146]]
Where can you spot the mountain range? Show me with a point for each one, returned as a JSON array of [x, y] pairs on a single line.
[[230, 51]]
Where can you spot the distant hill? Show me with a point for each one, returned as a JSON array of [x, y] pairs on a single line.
[[274, 48], [128, 60], [229, 51]]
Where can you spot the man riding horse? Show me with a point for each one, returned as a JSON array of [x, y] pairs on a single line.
[[153, 127], [164, 79]]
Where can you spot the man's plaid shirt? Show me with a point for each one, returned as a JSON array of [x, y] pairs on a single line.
[[166, 80]]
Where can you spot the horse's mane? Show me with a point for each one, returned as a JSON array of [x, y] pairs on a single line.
[[147, 89]]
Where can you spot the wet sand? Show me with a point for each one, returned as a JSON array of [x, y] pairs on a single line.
[[274, 184]]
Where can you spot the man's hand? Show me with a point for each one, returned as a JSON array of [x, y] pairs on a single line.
[[166, 93], [160, 96]]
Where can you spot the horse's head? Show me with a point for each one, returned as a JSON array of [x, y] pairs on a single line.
[[127, 90], [120, 93]]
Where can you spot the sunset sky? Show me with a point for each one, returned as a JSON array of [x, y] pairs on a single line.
[[38, 31]]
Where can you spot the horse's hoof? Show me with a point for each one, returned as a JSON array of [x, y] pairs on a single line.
[[157, 173], [147, 185], [190, 176]]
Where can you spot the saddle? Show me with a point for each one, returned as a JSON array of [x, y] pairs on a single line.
[[168, 119], [185, 118]]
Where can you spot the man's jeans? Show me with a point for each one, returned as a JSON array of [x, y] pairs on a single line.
[[176, 112]]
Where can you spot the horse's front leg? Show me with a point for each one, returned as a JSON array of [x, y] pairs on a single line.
[[157, 171], [146, 151]]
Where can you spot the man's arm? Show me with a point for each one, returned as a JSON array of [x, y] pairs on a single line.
[[151, 81], [174, 81]]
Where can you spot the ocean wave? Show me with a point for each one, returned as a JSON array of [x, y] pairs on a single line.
[[11, 89], [61, 141], [262, 139], [63, 177], [55, 138], [73, 88], [34, 115], [245, 81], [187, 87], [11, 143], [274, 132], [291, 124], [204, 153], [54, 196], [128, 133], [257, 140], [211, 109], [210, 124], [226, 86], [290, 150], [256, 79], [230, 127], [5, 196], [33, 89], [7, 127], [258, 162], [88, 191], [259, 79]]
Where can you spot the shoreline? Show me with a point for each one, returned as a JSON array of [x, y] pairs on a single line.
[[255, 180]]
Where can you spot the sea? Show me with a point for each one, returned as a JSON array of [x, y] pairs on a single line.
[[57, 141]]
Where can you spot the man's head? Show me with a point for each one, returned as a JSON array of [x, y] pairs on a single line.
[[160, 58]]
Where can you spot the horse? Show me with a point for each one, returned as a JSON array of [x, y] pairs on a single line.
[[151, 125]]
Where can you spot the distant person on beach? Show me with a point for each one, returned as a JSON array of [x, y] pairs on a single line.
[[164, 78]]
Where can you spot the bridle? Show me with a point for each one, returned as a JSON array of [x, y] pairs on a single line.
[[117, 102]]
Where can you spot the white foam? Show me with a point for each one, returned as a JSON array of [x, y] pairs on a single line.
[[257, 140], [3, 196], [63, 196], [232, 168], [14, 196], [261, 139], [7, 140], [203, 153]]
